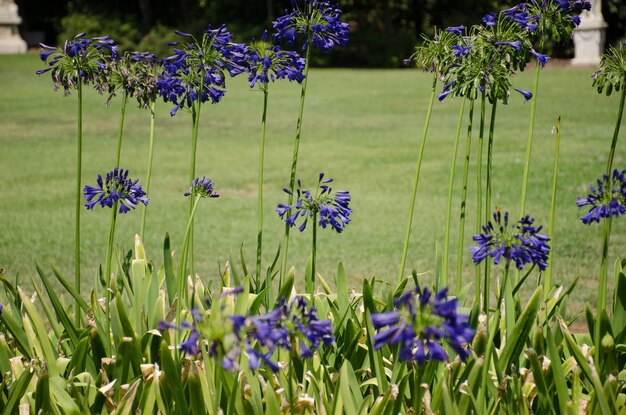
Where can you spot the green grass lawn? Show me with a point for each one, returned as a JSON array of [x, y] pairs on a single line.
[[361, 127]]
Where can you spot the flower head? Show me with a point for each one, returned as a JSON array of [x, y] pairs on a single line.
[[332, 209], [526, 94], [318, 21], [523, 244], [457, 30], [542, 59], [80, 58], [197, 70], [135, 73], [116, 188], [203, 187], [420, 324], [269, 62], [607, 199]]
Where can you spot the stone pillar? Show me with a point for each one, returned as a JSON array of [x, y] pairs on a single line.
[[10, 40], [589, 36]]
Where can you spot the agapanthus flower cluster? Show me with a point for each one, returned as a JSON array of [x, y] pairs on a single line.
[[269, 62], [135, 74], [421, 324], [203, 187], [116, 188], [294, 327], [318, 21], [555, 18], [606, 199], [438, 54], [331, 209], [523, 244], [80, 57], [610, 76], [197, 70]]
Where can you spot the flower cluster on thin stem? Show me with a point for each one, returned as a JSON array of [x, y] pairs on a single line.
[[333, 209], [81, 57], [607, 199], [420, 325], [197, 70], [318, 21], [116, 187], [522, 244], [203, 187], [134, 73], [269, 62]]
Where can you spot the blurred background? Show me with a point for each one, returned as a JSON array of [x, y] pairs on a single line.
[[384, 32]]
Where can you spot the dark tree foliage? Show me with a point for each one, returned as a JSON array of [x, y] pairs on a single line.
[[383, 32]]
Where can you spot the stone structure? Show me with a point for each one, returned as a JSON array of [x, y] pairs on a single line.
[[589, 36], [10, 40]]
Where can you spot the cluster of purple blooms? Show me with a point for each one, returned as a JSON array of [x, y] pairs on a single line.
[[318, 21], [203, 187], [333, 209], [523, 244], [270, 62], [116, 188], [420, 325], [607, 199], [294, 327]]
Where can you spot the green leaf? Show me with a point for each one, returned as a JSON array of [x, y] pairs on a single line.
[[168, 266], [518, 336], [557, 371], [17, 391], [125, 406], [271, 403], [42, 393], [545, 399], [619, 304], [42, 334], [17, 332], [342, 290], [58, 307], [72, 291], [170, 380]]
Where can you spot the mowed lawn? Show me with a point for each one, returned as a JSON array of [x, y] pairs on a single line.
[[361, 127]]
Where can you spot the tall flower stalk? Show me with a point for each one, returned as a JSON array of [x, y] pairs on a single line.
[[434, 55], [80, 62], [319, 23], [196, 74], [557, 143], [324, 208], [268, 63]]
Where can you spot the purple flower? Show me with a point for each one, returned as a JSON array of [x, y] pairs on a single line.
[[457, 30], [196, 72], [461, 51], [317, 20], [117, 188], [332, 209], [490, 19], [269, 62], [526, 94], [203, 187], [421, 324], [607, 199], [515, 45], [542, 59], [575, 19], [522, 244]]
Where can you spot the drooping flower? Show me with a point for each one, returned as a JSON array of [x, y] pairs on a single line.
[[515, 44], [526, 94], [135, 73], [269, 62], [457, 30], [606, 199], [542, 59], [117, 187], [421, 324], [197, 70], [490, 19], [332, 209], [318, 21], [523, 244], [80, 57], [461, 51], [203, 187]]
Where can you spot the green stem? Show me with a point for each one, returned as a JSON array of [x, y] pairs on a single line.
[[108, 266], [446, 245], [493, 329], [259, 249], [294, 162], [121, 129], [492, 124], [529, 145], [407, 235], [149, 172], [479, 186], [195, 115], [602, 287], [79, 168], [182, 277], [461, 235], [618, 124], [548, 275], [311, 283]]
